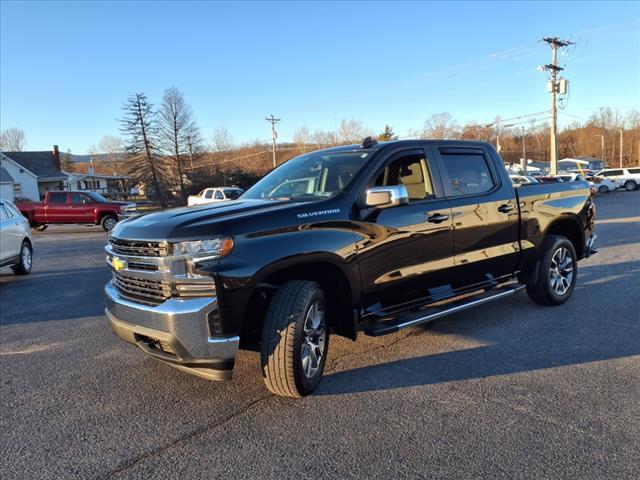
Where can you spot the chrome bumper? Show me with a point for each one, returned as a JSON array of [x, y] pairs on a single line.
[[180, 324]]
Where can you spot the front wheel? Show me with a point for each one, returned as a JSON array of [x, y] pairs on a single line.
[[557, 272], [108, 223], [630, 185], [39, 227], [25, 260], [295, 339], [603, 189]]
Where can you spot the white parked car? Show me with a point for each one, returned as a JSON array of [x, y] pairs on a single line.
[[602, 184], [16, 247], [629, 178], [215, 194]]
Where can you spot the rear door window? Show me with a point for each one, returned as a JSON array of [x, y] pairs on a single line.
[[219, 195], [58, 197], [466, 173], [208, 194], [634, 170]]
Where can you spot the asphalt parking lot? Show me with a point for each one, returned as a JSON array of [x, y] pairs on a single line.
[[509, 390]]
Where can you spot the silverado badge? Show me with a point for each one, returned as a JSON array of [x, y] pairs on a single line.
[[118, 264]]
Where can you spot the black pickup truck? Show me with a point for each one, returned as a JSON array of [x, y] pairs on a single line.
[[366, 238]]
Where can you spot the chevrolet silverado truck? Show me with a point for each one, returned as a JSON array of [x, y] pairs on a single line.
[[387, 236], [75, 207]]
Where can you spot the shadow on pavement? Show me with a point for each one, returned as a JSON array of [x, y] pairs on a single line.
[[529, 341]]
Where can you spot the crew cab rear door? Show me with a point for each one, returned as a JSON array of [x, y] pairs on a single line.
[[55, 207], [484, 212], [404, 251]]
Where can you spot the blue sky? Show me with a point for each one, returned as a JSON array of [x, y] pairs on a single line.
[[67, 67]]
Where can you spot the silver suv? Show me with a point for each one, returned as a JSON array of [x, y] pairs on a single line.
[[16, 247], [629, 178]]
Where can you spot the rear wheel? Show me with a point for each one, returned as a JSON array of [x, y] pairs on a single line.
[[39, 227], [295, 339], [25, 260], [557, 272], [108, 222], [630, 185]]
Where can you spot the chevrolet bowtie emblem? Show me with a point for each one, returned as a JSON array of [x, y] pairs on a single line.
[[118, 264]]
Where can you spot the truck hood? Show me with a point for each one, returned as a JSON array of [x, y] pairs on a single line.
[[198, 221]]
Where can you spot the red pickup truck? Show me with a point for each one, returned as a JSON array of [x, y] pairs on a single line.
[[75, 207]]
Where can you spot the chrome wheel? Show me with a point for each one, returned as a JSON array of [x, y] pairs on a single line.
[[314, 339], [561, 271], [109, 223], [25, 256]]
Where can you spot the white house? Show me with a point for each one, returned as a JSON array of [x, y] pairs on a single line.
[[112, 185], [18, 180]]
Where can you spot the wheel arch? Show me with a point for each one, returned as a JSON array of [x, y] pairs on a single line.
[[333, 277], [569, 227]]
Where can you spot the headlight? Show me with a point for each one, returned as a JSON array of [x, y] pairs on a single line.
[[214, 248]]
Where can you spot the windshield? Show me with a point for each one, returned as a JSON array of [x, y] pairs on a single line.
[[321, 174], [233, 193], [96, 196]]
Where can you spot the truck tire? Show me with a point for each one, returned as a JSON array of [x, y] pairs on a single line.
[[630, 185], [26, 259], [295, 339], [557, 273], [39, 227], [108, 222]]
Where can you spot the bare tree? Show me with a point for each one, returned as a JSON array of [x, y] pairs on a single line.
[[176, 126], [351, 131], [114, 149], [139, 127], [440, 126], [323, 138], [12, 140], [222, 140], [302, 137]]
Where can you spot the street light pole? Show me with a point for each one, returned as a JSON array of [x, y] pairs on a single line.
[[524, 154], [620, 148], [604, 162]]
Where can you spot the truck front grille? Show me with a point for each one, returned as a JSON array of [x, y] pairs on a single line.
[[145, 291], [138, 248]]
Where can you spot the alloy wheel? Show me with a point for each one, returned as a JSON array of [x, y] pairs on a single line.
[[561, 271], [314, 339]]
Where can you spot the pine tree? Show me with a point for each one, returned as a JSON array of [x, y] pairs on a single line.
[[388, 134], [68, 164], [140, 129]]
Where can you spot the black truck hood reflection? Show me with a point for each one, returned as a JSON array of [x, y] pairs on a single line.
[[202, 221]]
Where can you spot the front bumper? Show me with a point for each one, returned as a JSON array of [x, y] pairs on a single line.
[[175, 332]]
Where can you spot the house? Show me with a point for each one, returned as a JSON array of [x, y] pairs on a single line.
[[34, 173], [24, 183], [110, 185], [6, 184]]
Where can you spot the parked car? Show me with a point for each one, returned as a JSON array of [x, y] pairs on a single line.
[[602, 184], [16, 247], [214, 194], [523, 179], [629, 178], [67, 207], [394, 234]]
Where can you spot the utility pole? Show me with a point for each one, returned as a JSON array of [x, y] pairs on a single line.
[[553, 86], [274, 135], [189, 144], [604, 162], [524, 153], [620, 148]]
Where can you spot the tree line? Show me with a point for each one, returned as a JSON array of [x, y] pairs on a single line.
[[164, 150]]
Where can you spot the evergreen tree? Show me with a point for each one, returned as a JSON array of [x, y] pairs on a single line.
[[388, 134], [68, 164]]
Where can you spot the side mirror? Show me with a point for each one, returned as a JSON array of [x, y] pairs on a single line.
[[389, 196]]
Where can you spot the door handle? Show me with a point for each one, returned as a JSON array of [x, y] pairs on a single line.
[[507, 207], [437, 218]]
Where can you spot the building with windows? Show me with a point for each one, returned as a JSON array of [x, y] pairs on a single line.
[[33, 173]]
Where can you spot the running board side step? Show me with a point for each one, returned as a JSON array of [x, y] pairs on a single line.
[[428, 314]]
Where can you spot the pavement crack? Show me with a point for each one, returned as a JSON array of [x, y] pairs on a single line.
[[195, 433]]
